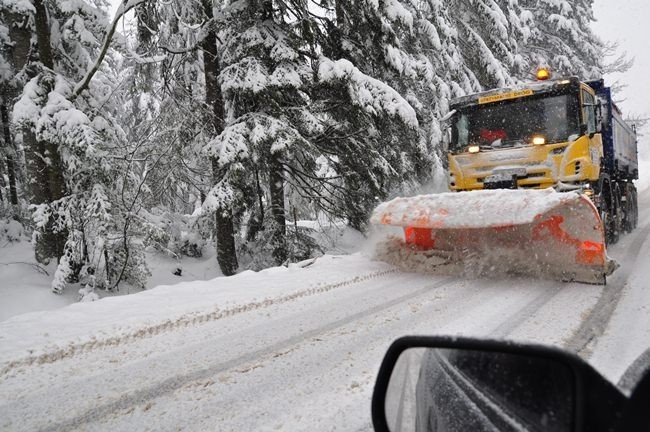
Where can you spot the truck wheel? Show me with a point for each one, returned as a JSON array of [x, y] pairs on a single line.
[[628, 205], [604, 201], [617, 213], [635, 207]]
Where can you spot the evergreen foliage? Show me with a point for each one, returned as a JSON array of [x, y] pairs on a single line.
[[231, 121]]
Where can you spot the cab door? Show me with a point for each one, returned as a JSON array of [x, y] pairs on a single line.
[[591, 169]]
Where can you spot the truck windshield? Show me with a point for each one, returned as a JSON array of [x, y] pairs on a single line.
[[514, 123]]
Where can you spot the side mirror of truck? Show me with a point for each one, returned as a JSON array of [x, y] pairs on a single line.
[[445, 126], [593, 119], [599, 118], [451, 383], [446, 139]]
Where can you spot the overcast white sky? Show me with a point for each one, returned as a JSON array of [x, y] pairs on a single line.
[[628, 23]]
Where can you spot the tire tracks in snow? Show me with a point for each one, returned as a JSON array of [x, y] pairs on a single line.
[[594, 325], [525, 313], [184, 321], [126, 401]]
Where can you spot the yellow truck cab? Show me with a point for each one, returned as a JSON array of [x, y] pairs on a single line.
[[535, 136]]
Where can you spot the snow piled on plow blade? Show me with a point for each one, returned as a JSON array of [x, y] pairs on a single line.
[[541, 233]]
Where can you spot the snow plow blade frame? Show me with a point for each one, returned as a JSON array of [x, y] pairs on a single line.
[[540, 233]]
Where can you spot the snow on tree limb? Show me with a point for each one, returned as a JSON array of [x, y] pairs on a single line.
[[244, 138], [19, 6], [126, 6], [372, 95]]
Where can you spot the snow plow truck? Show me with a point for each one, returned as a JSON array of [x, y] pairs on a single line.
[[541, 180]]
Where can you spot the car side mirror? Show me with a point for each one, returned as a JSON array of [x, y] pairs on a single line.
[[636, 414], [445, 384]]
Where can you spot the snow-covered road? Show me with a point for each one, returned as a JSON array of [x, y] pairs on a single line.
[[291, 349]]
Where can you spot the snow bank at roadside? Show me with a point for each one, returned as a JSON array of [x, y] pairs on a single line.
[[182, 304], [26, 284]]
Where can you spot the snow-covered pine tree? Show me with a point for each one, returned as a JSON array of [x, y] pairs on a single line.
[[488, 42], [303, 108], [561, 37], [43, 160], [361, 96], [84, 190], [160, 111], [263, 78]]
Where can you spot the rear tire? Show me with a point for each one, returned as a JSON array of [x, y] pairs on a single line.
[[617, 213], [606, 213], [635, 213], [631, 212]]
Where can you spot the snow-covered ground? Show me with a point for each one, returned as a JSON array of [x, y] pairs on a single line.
[[290, 348], [25, 285]]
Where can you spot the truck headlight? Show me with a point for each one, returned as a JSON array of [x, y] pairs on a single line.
[[474, 149], [539, 140]]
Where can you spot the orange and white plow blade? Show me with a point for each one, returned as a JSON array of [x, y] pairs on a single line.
[[539, 232]]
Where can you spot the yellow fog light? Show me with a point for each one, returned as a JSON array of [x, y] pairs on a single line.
[[539, 140], [543, 74], [474, 149], [588, 192]]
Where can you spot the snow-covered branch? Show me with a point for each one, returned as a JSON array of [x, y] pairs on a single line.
[[125, 7]]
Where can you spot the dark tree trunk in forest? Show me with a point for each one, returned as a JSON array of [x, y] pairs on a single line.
[[224, 224], [276, 184], [9, 154], [43, 35], [43, 162], [340, 14], [337, 32], [276, 187], [49, 244], [256, 221], [147, 25], [20, 35]]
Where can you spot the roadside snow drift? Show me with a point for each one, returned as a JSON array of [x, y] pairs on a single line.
[[39, 337]]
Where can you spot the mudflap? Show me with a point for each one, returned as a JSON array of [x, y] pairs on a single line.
[[545, 234]]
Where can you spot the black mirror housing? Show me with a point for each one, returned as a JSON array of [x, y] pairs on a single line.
[[597, 404]]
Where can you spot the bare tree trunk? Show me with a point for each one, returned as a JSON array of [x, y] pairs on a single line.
[[256, 221], [340, 14], [9, 152], [224, 224], [43, 34], [43, 161], [49, 244], [339, 31], [19, 52], [276, 186]]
